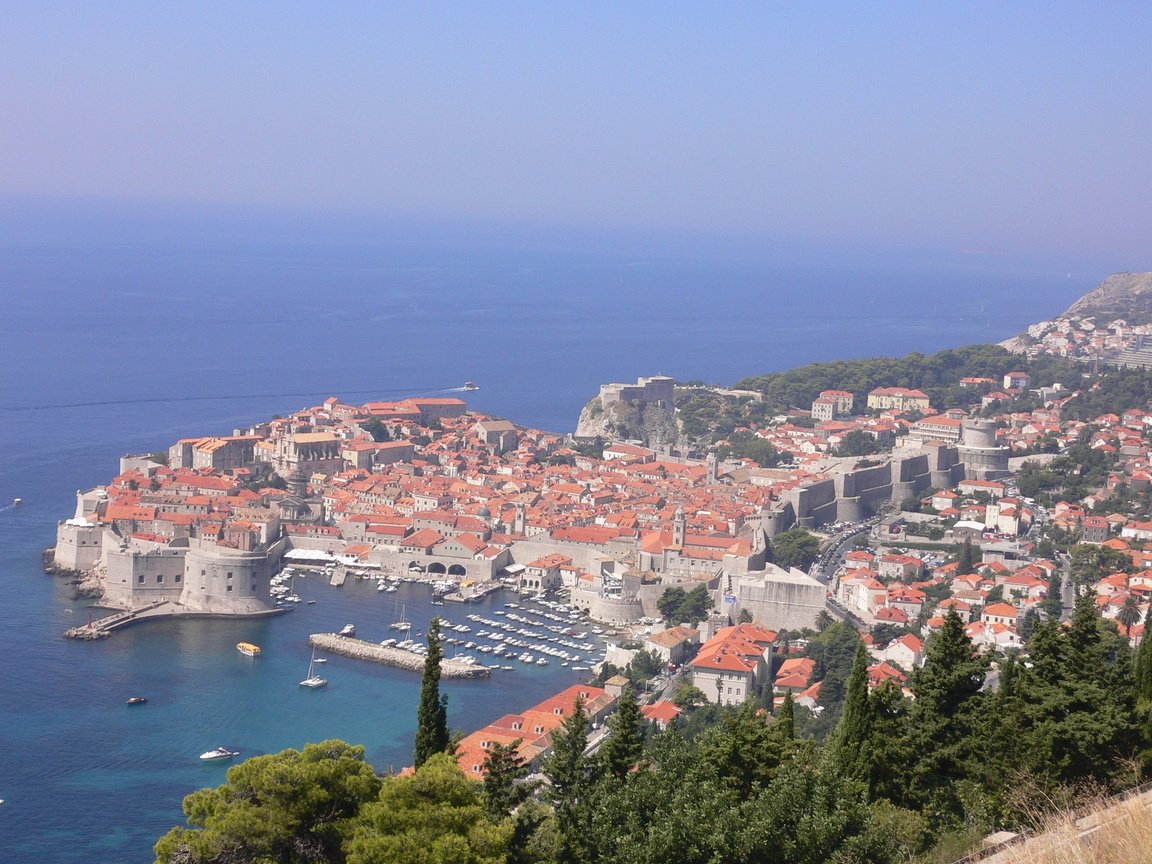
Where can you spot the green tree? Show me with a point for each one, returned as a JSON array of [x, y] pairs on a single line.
[[966, 561], [623, 747], [376, 428], [824, 619], [435, 816], [849, 744], [1090, 563], [1142, 668], [645, 665], [670, 602], [1077, 694], [688, 696], [286, 807], [1129, 614], [786, 717], [432, 713], [890, 748], [947, 696], [504, 772], [676, 604], [1053, 602], [795, 547], [834, 650], [858, 443], [744, 750], [569, 783]]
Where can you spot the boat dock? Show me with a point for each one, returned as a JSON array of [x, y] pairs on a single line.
[[358, 649]]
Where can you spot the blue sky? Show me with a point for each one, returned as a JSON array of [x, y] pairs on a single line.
[[1009, 127]]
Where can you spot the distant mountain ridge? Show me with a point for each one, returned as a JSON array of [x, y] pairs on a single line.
[[1121, 295]]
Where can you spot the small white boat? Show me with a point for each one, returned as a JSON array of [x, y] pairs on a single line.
[[219, 754], [349, 630], [313, 680]]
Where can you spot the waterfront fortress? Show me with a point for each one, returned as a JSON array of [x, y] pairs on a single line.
[[137, 570]]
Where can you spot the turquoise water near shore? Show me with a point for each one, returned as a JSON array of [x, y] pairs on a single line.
[[87, 778]]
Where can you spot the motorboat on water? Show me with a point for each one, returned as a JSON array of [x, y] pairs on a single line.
[[470, 385], [248, 649], [349, 630], [137, 700], [219, 754], [313, 680]]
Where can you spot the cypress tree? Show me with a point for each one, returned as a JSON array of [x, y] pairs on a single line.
[[1053, 603], [1142, 667], [850, 741], [966, 560], [786, 718], [947, 690], [569, 778], [432, 713], [625, 742], [503, 768]]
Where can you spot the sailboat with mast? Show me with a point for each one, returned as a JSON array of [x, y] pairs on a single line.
[[401, 623], [313, 680]]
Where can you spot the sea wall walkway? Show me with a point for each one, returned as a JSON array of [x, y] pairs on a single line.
[[358, 649], [161, 610]]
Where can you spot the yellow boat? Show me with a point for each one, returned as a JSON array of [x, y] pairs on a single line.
[[248, 648]]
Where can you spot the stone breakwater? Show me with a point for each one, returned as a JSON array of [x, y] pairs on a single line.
[[358, 649]]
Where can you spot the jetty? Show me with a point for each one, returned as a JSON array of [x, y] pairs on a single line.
[[160, 610], [358, 649]]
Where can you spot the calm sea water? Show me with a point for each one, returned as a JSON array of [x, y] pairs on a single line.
[[123, 346]]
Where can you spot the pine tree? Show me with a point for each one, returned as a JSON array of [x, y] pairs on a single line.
[[432, 713], [624, 745]]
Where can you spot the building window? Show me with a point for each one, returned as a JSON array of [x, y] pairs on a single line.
[[229, 574], [140, 578], [229, 587], [159, 577], [177, 578]]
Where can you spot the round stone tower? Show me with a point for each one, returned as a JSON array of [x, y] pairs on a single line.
[[983, 457]]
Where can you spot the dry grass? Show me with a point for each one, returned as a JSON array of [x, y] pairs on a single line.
[[1119, 834]]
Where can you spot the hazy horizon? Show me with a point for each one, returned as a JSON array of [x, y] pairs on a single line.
[[981, 130]]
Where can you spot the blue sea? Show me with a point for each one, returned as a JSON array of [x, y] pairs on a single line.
[[115, 341]]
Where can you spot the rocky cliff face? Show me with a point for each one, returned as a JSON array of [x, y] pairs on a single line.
[[639, 421], [1121, 295]]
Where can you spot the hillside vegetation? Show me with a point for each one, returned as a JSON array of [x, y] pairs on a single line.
[[1121, 295]]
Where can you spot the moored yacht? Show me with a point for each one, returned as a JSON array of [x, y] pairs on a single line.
[[219, 754]]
